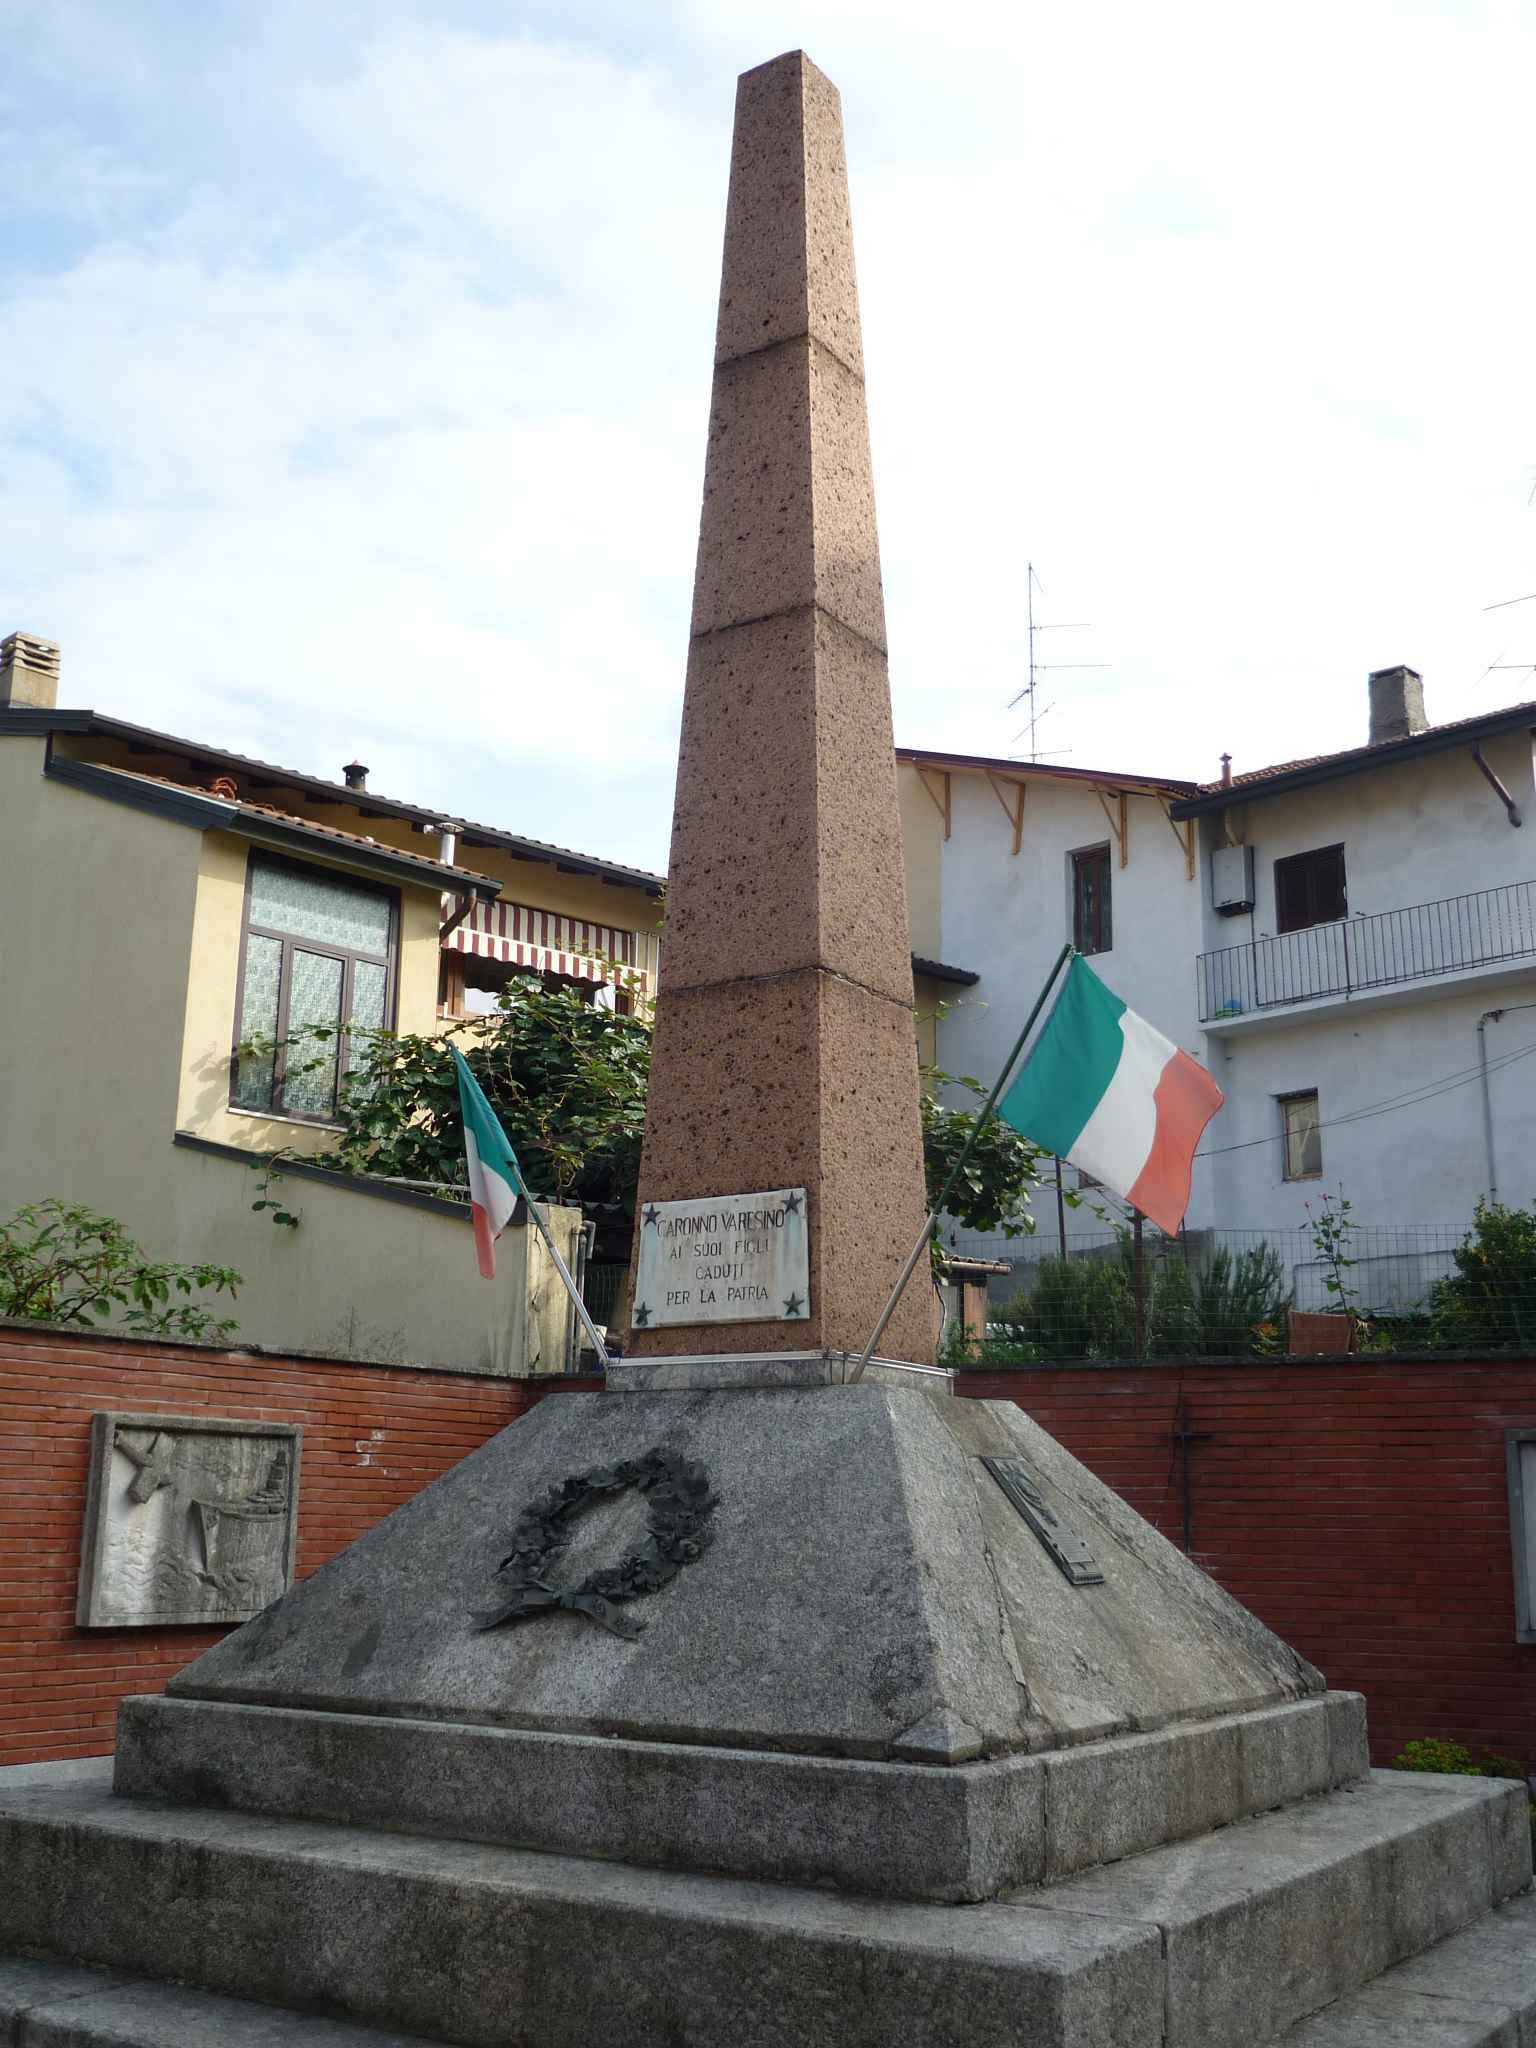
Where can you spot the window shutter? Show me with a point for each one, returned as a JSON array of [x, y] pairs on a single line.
[[1328, 886]]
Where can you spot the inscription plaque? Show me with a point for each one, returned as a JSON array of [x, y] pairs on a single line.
[[188, 1518], [1067, 1549], [723, 1259]]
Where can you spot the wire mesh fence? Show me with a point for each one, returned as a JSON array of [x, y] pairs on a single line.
[[1228, 1293]]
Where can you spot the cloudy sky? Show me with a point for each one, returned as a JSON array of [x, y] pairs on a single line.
[[354, 368]]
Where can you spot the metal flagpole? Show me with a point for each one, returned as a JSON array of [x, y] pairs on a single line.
[[955, 1171], [562, 1269]]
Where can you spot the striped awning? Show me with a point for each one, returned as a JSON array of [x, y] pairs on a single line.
[[521, 936]]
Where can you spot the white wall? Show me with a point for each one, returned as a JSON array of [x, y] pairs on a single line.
[[1417, 832], [1396, 1070], [1007, 917], [1413, 833]]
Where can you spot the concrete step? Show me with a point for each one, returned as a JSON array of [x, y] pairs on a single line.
[[1216, 1943], [62, 2005], [1477, 1989]]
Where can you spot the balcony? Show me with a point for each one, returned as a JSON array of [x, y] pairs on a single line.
[[1360, 953]]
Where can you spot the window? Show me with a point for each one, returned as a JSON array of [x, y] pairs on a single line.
[[1309, 889], [1090, 901], [1302, 1136], [319, 952]]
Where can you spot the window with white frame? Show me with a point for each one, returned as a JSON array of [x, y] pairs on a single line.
[[318, 957]]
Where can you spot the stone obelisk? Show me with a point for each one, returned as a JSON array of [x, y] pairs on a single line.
[[785, 1052]]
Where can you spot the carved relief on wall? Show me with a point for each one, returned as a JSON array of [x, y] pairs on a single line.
[[187, 1518]]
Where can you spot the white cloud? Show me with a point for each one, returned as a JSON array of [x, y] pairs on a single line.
[[357, 370]]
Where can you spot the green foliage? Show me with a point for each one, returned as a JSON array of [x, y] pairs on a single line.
[[962, 1346], [1238, 1297], [993, 1188], [566, 1079], [1077, 1308], [1332, 1236], [62, 1263], [1489, 1302], [265, 1163], [1085, 1307]]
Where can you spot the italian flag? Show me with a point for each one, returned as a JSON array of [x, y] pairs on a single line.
[[1105, 1091], [494, 1176]]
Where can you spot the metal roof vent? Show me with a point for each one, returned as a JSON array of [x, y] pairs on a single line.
[[1397, 704], [29, 670], [356, 775]]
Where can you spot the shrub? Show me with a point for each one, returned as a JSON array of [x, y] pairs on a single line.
[[1237, 1297], [62, 1263], [1489, 1302], [1078, 1308]]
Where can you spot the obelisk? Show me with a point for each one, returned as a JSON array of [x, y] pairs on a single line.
[[785, 1052]]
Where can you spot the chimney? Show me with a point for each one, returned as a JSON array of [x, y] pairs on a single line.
[[356, 775], [1397, 704], [1226, 771], [29, 671]]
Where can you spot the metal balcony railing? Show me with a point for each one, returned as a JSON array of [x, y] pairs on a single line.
[[1393, 946]]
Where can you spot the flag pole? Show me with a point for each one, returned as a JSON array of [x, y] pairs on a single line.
[[955, 1171], [562, 1269]]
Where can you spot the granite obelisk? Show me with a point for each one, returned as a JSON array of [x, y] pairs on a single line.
[[785, 1051]]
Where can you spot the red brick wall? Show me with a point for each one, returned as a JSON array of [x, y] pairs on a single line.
[[373, 1436], [1358, 1506]]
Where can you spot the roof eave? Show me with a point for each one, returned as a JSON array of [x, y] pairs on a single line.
[[27, 719], [204, 813], [982, 764], [1359, 761]]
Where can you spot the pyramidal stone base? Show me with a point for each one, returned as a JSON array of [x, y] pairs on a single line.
[[876, 1673], [891, 1761]]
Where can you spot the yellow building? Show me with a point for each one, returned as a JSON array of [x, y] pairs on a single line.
[[162, 902]]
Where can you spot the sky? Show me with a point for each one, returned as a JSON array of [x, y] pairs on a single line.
[[354, 372]]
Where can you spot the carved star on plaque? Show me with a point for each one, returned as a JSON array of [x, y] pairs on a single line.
[[794, 1306], [792, 1204], [642, 1315], [650, 1214]]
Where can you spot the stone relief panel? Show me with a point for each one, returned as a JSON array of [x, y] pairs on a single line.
[[187, 1519]]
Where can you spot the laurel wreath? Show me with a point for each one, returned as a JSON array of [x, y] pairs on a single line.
[[677, 1533]]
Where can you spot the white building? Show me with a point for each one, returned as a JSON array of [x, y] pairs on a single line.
[[1343, 942]]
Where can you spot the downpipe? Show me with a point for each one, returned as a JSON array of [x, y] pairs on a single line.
[[1488, 1017]]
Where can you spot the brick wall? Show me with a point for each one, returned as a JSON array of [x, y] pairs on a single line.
[[373, 1437], [1359, 1506]]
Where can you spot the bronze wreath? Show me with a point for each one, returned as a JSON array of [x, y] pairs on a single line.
[[680, 1503]]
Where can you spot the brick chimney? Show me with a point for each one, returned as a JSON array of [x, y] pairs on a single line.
[[29, 671], [1397, 704]]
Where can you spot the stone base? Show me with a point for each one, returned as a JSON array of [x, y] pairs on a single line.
[[780, 1369], [902, 1830], [867, 1591], [1220, 1942]]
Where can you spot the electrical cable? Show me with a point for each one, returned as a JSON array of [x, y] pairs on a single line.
[[1444, 1084]]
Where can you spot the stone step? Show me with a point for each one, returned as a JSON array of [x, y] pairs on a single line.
[[62, 2005], [1476, 1989], [1216, 1943], [1267, 1920]]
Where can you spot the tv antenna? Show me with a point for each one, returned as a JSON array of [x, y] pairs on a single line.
[[1041, 668]]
